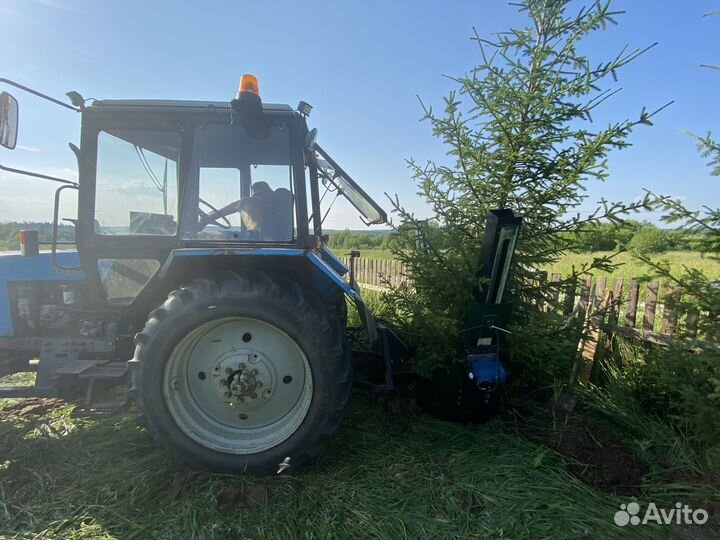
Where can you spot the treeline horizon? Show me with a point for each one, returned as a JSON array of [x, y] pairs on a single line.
[[641, 236]]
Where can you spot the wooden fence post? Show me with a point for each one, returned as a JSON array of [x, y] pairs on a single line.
[[554, 291], [650, 306], [614, 315], [669, 319], [569, 301], [600, 286], [590, 344], [540, 281], [585, 297], [691, 324], [631, 312]]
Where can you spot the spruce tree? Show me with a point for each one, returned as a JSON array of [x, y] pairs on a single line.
[[519, 134]]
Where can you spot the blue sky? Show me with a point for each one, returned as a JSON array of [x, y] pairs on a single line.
[[360, 64]]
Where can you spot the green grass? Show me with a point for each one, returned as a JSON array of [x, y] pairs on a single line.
[[631, 267], [384, 476]]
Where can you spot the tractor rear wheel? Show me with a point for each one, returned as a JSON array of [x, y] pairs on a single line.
[[240, 372]]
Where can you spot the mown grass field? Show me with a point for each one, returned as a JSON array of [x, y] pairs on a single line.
[[384, 476]]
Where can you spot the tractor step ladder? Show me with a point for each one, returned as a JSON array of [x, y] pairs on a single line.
[[94, 372], [113, 372], [77, 367]]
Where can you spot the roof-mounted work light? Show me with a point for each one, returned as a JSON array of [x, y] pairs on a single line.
[[304, 108]]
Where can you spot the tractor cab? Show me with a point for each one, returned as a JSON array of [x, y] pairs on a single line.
[[157, 176]]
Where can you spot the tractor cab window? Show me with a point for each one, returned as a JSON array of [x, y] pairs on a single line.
[[244, 186], [136, 183], [336, 180]]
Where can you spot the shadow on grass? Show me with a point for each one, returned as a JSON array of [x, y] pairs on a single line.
[[383, 477]]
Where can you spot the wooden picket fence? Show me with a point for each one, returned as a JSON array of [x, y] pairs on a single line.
[[375, 274], [630, 303], [635, 309]]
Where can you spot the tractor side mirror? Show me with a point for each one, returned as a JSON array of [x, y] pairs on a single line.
[[8, 120]]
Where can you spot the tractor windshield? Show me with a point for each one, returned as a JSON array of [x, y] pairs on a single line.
[[244, 185]]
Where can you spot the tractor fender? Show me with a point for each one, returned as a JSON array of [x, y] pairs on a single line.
[[320, 271]]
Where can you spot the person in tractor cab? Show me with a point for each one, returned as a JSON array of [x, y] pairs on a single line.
[[266, 215], [254, 210]]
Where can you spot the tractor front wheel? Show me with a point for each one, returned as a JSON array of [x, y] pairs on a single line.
[[239, 373]]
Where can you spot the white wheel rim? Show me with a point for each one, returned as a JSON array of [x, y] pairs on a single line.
[[238, 385]]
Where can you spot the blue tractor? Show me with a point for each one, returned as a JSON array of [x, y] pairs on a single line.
[[199, 277], [200, 258]]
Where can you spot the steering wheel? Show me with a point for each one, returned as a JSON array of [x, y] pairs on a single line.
[[204, 216]]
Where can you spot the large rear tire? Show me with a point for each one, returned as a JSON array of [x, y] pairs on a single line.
[[239, 372]]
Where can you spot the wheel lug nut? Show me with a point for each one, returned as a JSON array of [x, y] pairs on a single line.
[[253, 372], [241, 366], [253, 395], [259, 384]]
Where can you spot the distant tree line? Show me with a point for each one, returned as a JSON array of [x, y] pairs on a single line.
[[348, 239], [639, 236], [643, 237], [10, 233]]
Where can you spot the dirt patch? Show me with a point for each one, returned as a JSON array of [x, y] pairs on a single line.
[[184, 481], [231, 498], [402, 404], [704, 493], [602, 459], [32, 408], [595, 455]]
